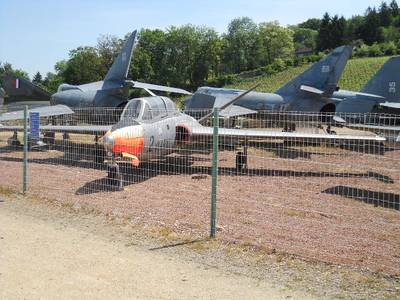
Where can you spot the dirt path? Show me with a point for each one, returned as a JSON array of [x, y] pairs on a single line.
[[44, 257]]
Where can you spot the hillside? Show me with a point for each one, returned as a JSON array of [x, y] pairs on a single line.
[[356, 74]]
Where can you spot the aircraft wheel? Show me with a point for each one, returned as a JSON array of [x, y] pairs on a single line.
[[98, 154]]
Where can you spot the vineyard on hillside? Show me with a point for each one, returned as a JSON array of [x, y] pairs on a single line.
[[357, 73]]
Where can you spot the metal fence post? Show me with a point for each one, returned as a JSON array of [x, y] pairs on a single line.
[[25, 161], [214, 174]]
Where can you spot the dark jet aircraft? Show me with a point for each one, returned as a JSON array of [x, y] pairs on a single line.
[[112, 92], [311, 91]]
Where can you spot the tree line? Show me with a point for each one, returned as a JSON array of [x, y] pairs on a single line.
[[190, 56]]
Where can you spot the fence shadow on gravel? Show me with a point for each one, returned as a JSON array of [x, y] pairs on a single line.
[[382, 199]]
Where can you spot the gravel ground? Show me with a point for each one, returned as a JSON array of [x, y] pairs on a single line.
[[277, 207], [61, 256]]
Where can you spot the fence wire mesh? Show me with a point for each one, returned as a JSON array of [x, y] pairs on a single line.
[[334, 200]]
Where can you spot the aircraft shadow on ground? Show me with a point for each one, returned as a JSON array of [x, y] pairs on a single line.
[[73, 154], [382, 199], [183, 165], [84, 155]]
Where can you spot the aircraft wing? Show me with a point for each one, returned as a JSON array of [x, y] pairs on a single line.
[[84, 129], [154, 87], [374, 127], [200, 131], [44, 111], [389, 132], [234, 111]]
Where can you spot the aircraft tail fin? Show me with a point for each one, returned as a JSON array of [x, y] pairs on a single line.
[[322, 77], [386, 82], [118, 72], [19, 89]]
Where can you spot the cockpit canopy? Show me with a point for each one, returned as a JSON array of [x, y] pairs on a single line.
[[149, 108]]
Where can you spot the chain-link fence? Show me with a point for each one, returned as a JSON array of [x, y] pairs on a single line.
[[316, 185]]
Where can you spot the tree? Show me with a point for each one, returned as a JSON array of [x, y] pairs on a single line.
[[394, 8], [391, 33], [37, 79], [52, 80], [7, 69], [331, 33], [181, 46], [324, 33], [84, 66], [385, 15], [352, 31], [148, 62], [108, 48], [313, 24], [337, 31], [277, 42], [371, 31], [241, 45], [304, 37], [207, 56]]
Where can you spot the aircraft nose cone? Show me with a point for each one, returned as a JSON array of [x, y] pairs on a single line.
[[126, 140], [108, 142]]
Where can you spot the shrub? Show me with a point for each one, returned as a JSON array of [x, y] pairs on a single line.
[[375, 50], [361, 51]]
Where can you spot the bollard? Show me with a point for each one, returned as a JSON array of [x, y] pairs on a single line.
[[25, 160], [214, 174]]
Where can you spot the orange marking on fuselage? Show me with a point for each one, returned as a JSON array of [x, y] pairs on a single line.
[[134, 146]]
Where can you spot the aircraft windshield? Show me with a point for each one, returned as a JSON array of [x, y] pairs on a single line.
[[132, 109]]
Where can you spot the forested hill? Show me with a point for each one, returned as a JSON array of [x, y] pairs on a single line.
[[357, 73]]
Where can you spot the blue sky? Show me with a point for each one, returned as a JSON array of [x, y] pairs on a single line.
[[36, 34]]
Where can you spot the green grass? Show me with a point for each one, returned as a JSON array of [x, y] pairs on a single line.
[[357, 73]]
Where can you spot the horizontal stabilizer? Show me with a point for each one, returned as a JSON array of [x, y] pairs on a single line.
[[311, 90], [154, 87], [369, 95], [44, 111], [390, 104], [234, 111], [338, 119]]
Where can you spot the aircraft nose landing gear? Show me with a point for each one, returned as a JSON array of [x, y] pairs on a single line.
[[241, 160], [114, 176]]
